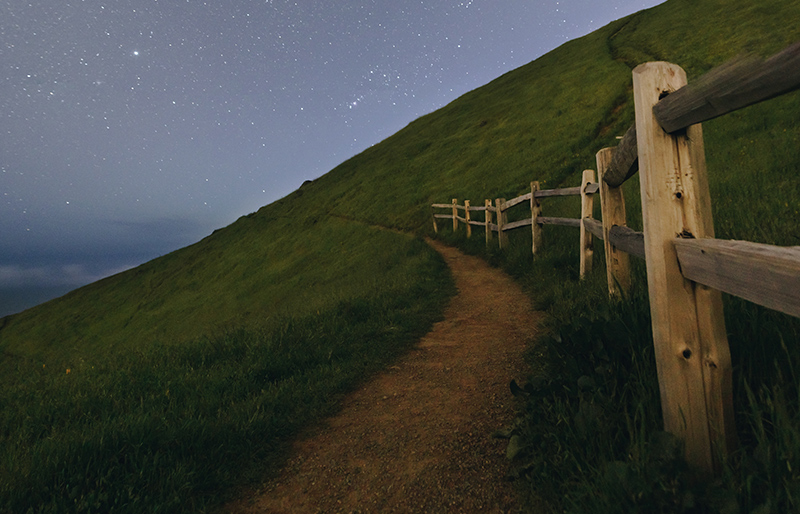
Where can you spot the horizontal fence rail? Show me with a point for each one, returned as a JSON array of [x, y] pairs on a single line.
[[627, 240], [594, 226], [665, 146], [535, 221], [564, 222], [730, 87], [763, 274]]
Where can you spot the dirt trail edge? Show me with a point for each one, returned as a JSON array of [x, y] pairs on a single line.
[[417, 437]]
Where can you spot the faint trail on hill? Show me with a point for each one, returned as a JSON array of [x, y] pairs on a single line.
[[417, 437]]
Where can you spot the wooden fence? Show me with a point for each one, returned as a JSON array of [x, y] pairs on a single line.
[[590, 226], [687, 267]]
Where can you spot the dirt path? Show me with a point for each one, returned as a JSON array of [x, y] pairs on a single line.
[[417, 437]]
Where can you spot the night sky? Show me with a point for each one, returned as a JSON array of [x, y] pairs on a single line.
[[131, 128]]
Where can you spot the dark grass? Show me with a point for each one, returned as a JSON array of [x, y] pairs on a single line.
[[167, 428], [589, 437]]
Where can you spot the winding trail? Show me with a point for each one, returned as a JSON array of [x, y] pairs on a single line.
[[417, 437]]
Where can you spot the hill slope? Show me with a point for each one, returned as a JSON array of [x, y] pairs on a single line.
[[543, 121], [316, 253]]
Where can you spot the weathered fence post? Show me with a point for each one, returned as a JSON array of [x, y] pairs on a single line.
[[612, 203], [455, 214], [488, 220], [466, 217], [435, 225], [502, 219], [536, 211], [587, 206], [691, 347]]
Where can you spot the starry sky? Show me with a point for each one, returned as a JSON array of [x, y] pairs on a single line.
[[131, 128]]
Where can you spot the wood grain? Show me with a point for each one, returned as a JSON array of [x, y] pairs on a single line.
[[763, 274], [587, 207], [536, 212], [594, 226], [517, 224], [689, 336], [627, 240], [727, 88], [568, 191], [564, 222], [518, 200], [625, 162], [612, 204]]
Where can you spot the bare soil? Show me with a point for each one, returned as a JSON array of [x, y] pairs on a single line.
[[417, 438]]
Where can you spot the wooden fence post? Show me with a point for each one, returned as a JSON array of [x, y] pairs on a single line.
[[691, 347], [502, 219], [488, 220], [612, 203], [466, 217], [536, 211], [587, 206], [455, 214], [435, 225]]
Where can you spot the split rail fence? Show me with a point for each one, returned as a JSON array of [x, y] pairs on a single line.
[[687, 268]]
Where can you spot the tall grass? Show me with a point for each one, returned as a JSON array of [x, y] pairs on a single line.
[[297, 272], [166, 428], [589, 437]]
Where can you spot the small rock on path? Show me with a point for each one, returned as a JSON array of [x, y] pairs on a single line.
[[417, 437]]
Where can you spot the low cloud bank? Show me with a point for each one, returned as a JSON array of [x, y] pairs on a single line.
[[20, 276], [22, 287]]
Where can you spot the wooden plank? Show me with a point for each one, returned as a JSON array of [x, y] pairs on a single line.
[[462, 207], [564, 222], [502, 219], [518, 200], [443, 216], [536, 212], [594, 226], [612, 204], [462, 220], [763, 274], [734, 85], [627, 240], [493, 227], [487, 219], [625, 162], [691, 347], [442, 205], [569, 191], [516, 224], [467, 219], [477, 223], [474, 208], [592, 188], [587, 207]]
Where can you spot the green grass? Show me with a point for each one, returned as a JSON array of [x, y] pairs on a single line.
[[261, 268], [169, 427], [589, 436], [189, 373]]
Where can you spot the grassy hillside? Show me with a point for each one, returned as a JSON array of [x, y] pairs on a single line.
[[262, 268], [283, 305]]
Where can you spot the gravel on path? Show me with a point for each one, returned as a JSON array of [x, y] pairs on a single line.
[[417, 438]]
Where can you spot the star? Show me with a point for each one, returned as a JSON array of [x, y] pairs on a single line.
[[79, 122]]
